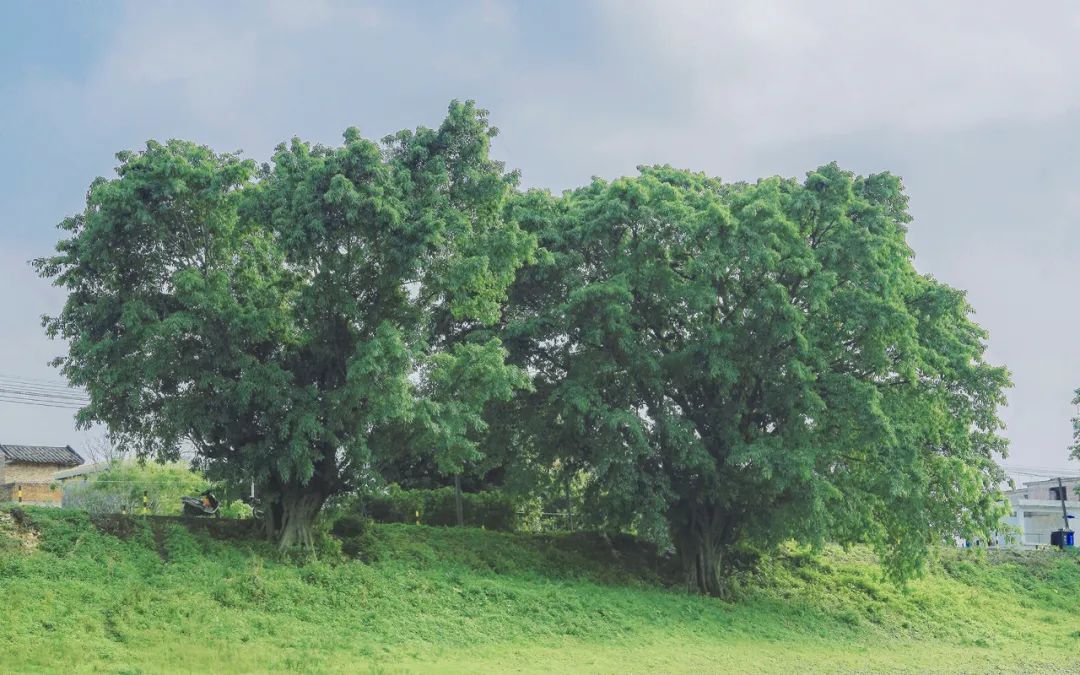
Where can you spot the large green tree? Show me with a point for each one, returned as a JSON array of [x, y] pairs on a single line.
[[281, 319], [740, 364]]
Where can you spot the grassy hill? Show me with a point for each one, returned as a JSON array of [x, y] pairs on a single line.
[[134, 596]]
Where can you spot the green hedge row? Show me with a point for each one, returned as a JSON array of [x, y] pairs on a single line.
[[490, 510]]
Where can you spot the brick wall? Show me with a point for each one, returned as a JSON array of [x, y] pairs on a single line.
[[36, 481], [32, 493], [22, 472]]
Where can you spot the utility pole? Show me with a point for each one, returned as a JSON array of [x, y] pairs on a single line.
[[1064, 513]]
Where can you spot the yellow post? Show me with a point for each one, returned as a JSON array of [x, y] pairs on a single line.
[[145, 503], [417, 517], [18, 492]]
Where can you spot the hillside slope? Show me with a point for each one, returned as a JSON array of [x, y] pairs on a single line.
[[130, 596]]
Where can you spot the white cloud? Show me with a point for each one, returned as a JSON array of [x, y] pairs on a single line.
[[964, 99], [772, 71]]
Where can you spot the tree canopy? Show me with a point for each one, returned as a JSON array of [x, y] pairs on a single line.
[[739, 364], [722, 365], [280, 318]]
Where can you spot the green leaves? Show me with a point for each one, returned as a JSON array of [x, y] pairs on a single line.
[[747, 362], [754, 362], [279, 322]]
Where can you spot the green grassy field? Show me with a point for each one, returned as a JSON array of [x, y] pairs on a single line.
[[154, 597]]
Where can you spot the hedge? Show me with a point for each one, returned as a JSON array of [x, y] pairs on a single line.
[[491, 510]]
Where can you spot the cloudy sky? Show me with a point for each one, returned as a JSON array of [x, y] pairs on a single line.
[[975, 104]]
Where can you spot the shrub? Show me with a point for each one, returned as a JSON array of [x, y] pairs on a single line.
[[123, 485], [351, 525], [396, 506], [238, 509], [491, 510], [357, 536]]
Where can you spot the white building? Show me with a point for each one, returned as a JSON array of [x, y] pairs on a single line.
[[1037, 512]]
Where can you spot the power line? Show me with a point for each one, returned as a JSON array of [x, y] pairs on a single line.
[[41, 393], [9, 391], [19, 390], [1035, 471], [1042, 473], [17, 396], [1039, 469], [39, 403], [41, 389], [51, 383]]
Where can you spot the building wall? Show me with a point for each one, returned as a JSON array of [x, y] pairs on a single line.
[[23, 472], [1039, 526], [1041, 489], [41, 494], [1035, 513]]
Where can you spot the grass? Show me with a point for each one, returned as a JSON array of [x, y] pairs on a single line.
[[133, 596]]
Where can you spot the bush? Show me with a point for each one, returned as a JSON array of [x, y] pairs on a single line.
[[357, 536], [351, 525], [123, 486], [491, 510], [237, 509], [396, 506]]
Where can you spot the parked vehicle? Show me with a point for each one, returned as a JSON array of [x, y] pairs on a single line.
[[256, 506], [205, 505]]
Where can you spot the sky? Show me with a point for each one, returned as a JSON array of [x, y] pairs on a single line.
[[975, 104]]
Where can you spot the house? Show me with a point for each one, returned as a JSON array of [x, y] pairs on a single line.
[[28, 472], [1038, 509]]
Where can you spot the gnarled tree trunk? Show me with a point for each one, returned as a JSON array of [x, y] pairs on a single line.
[[293, 509], [701, 538], [298, 513]]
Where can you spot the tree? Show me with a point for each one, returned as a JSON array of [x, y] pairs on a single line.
[[280, 319], [740, 364]]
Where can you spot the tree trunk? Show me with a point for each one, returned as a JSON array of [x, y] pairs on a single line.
[[702, 565], [700, 541], [298, 512], [291, 512]]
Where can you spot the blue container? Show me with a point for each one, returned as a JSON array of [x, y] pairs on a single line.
[[1062, 538]]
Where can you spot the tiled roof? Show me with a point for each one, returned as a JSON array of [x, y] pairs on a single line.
[[40, 454], [84, 470]]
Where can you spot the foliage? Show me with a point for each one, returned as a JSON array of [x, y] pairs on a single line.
[[469, 600], [1074, 449], [123, 485], [742, 364], [282, 318], [357, 535], [237, 509], [721, 366], [492, 510]]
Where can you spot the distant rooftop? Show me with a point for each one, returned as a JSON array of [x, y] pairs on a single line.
[[41, 454], [84, 470]]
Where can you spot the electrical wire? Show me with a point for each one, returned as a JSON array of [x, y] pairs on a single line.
[[39, 403], [18, 390], [79, 398], [1040, 472]]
